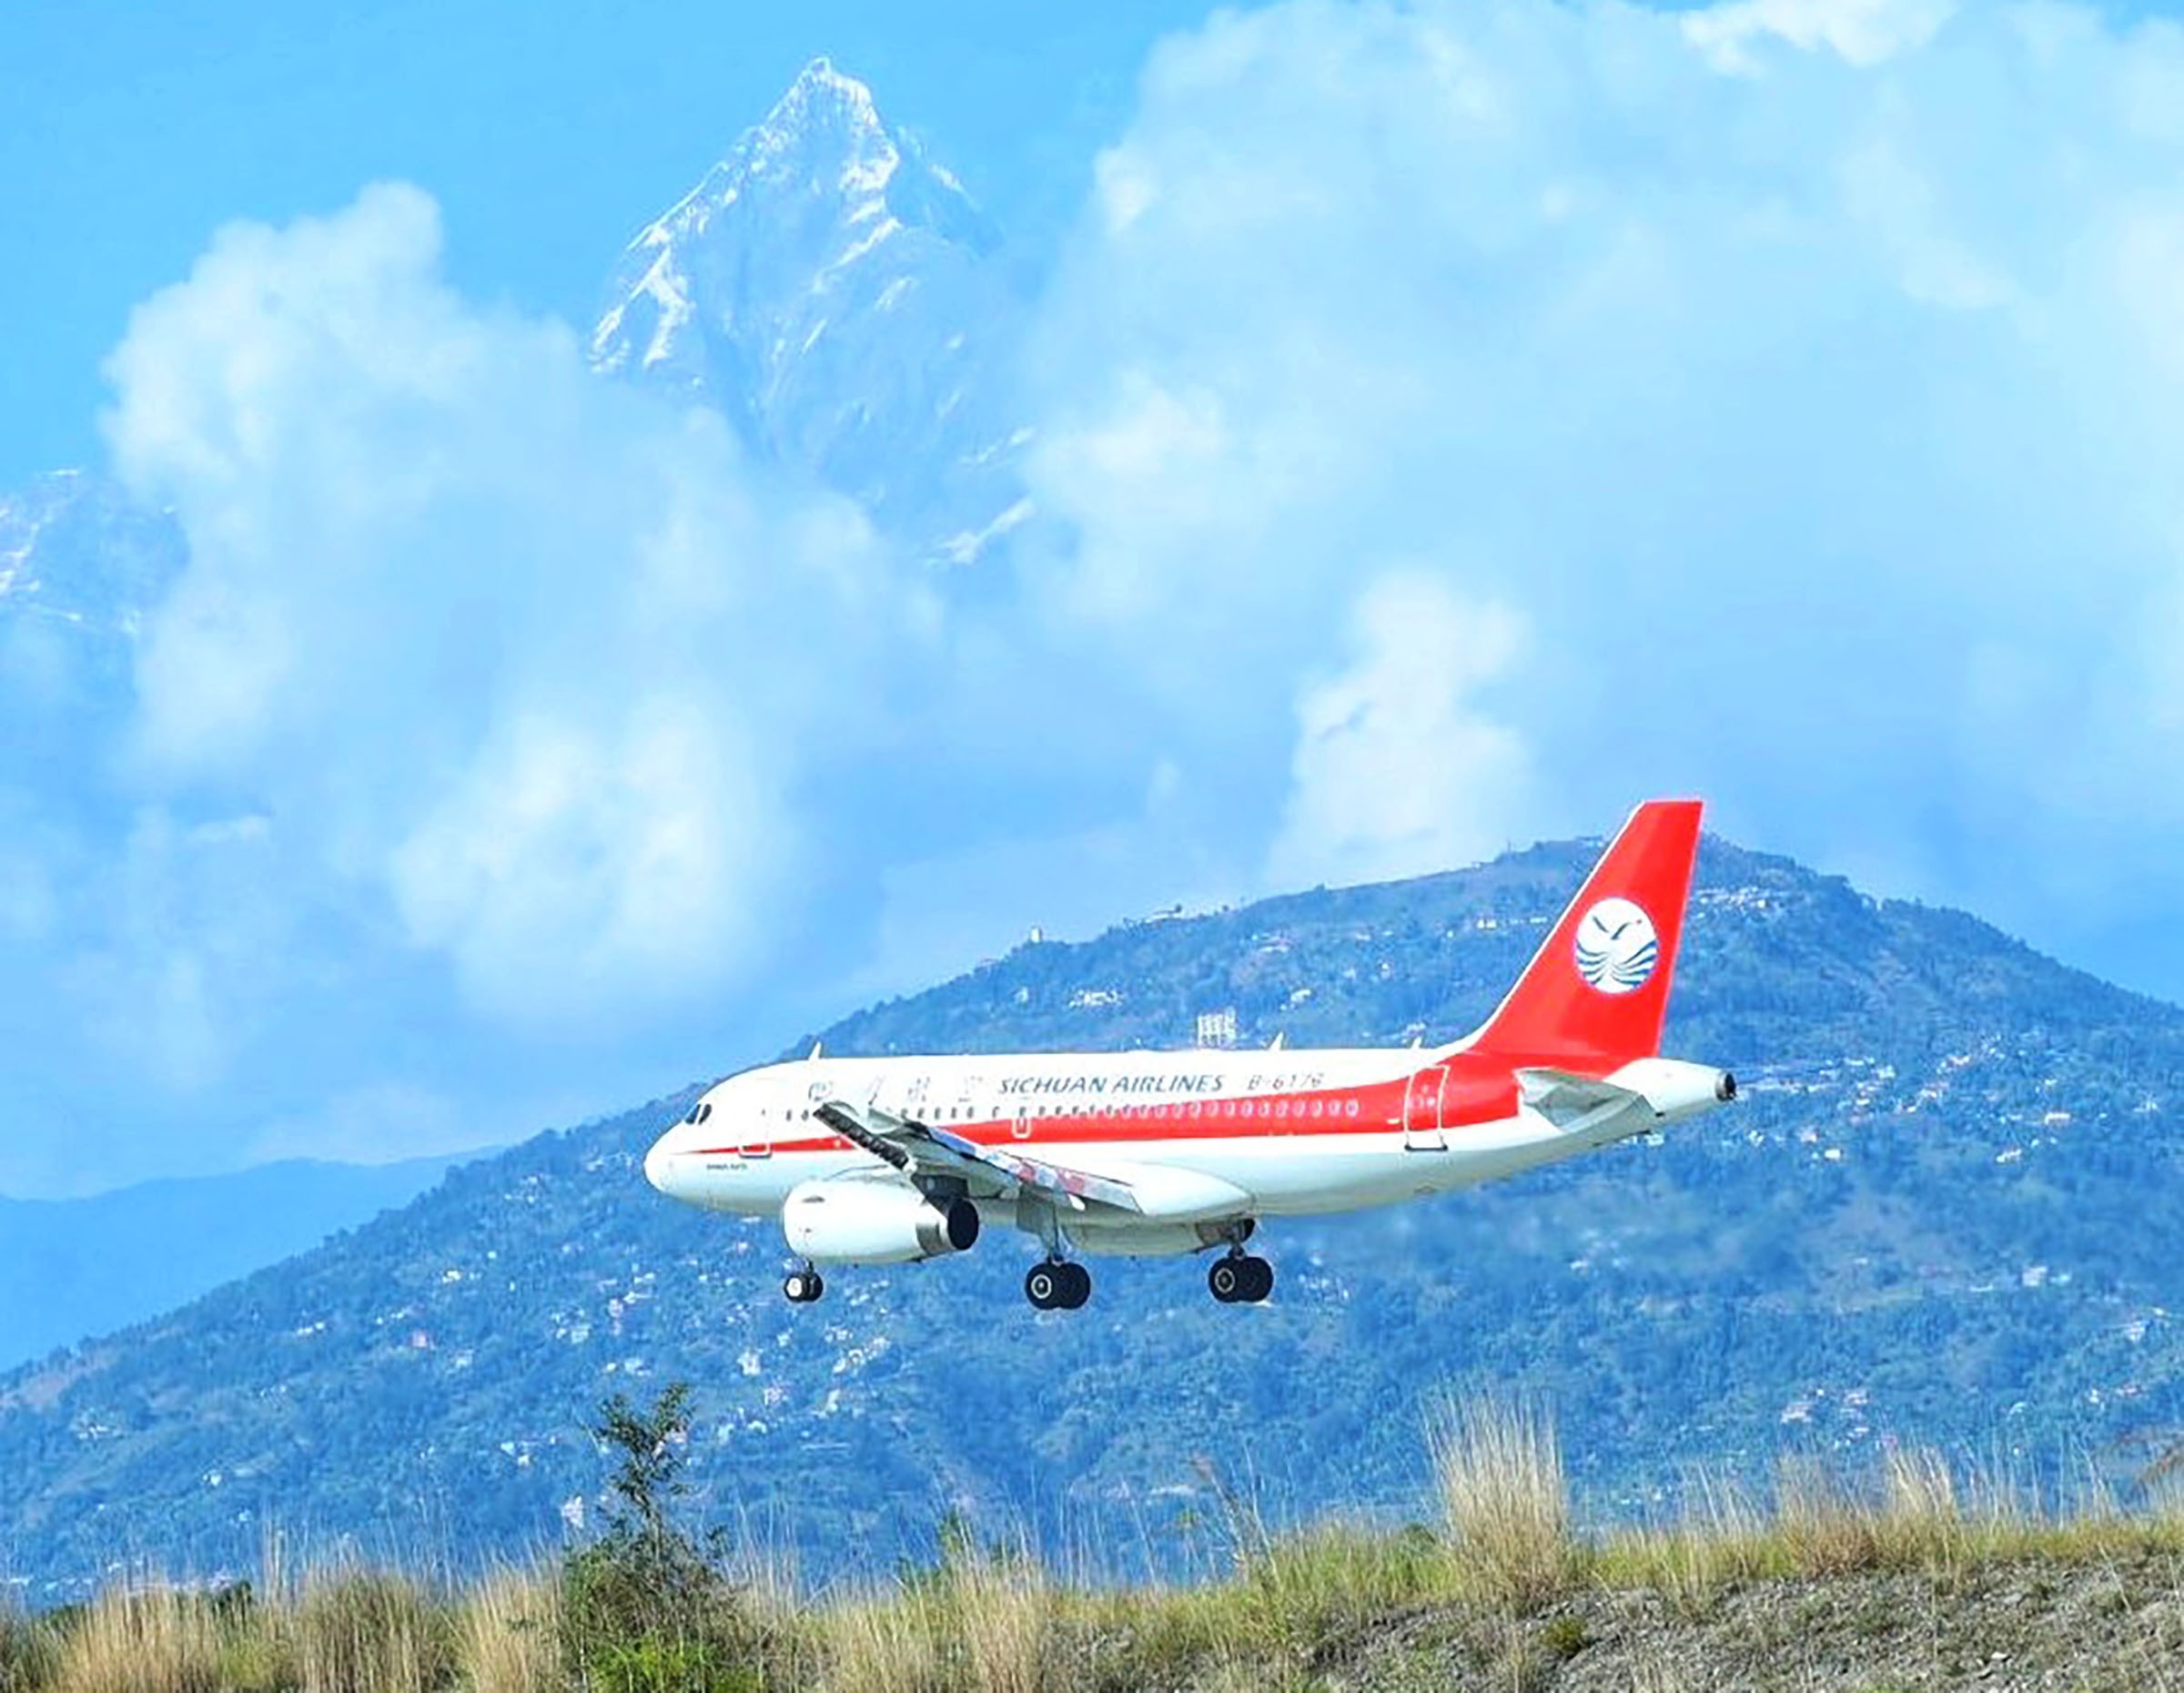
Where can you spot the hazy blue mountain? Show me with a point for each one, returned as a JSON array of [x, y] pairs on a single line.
[[836, 294], [1946, 1211], [73, 1267]]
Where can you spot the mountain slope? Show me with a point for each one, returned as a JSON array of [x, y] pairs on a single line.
[[72, 1268], [1945, 1211], [835, 294]]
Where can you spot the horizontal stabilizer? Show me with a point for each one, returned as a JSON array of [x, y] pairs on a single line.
[[1563, 1097]]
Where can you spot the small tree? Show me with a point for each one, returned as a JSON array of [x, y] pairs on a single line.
[[645, 1585], [648, 1446]]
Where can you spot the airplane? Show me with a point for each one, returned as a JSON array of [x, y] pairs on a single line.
[[885, 1161]]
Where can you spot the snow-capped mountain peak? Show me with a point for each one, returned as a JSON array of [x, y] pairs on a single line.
[[831, 291], [75, 552]]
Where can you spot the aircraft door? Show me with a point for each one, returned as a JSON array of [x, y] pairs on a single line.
[[1422, 1127]]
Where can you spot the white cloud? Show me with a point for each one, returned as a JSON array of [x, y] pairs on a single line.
[[1454, 421], [575, 853], [1397, 770], [496, 645], [1817, 424], [1864, 32]]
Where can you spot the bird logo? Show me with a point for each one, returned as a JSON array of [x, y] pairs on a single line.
[[1616, 947]]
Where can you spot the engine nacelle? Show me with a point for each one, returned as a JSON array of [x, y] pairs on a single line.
[[874, 1222]]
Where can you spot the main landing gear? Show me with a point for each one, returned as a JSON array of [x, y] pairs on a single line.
[[1055, 1284], [1239, 1278], [803, 1285]]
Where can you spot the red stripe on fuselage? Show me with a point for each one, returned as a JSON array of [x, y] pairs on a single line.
[[1473, 1094]]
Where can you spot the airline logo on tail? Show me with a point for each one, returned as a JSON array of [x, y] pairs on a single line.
[[1616, 947], [1596, 992]]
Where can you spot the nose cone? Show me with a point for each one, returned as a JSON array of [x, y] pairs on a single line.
[[658, 1161]]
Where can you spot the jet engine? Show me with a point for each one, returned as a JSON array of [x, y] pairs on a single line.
[[874, 1222]]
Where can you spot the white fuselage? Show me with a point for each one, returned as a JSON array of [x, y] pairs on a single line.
[[1203, 1137]]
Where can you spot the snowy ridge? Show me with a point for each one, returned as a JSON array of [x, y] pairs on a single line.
[[75, 552], [834, 292]]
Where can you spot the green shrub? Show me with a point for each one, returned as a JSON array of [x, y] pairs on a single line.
[[646, 1599], [656, 1666]]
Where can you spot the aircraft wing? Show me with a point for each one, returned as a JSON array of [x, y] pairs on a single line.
[[918, 1149]]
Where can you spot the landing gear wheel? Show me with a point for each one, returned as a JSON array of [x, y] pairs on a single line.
[[1240, 1279], [803, 1286], [1053, 1285]]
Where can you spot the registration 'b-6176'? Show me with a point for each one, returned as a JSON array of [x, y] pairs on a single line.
[[883, 1160]]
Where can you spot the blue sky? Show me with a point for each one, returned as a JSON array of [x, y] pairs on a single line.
[[1451, 422], [547, 133]]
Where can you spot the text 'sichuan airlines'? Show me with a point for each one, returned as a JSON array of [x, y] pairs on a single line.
[[882, 1160]]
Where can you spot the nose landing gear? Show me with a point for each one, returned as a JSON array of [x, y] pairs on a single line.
[[1057, 1286], [1239, 1278], [803, 1285]]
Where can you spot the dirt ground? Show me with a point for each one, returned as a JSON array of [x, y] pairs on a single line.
[[2020, 1626]]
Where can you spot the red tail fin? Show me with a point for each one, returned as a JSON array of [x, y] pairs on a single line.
[[1598, 991]]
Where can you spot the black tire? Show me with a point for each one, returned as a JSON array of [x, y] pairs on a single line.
[[803, 1287], [1259, 1280], [1043, 1284], [815, 1285], [1225, 1280], [1076, 1287]]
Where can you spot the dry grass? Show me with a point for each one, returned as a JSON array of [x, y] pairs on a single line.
[[1504, 1503], [507, 1633], [365, 1631], [1723, 1540], [985, 1623], [1504, 1584], [882, 1643], [28, 1651], [1004, 1615], [154, 1640]]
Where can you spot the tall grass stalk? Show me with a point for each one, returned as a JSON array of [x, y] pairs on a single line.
[[507, 1633], [1003, 1613], [27, 1650], [883, 1643], [1723, 1540], [366, 1631], [154, 1640], [1504, 1502]]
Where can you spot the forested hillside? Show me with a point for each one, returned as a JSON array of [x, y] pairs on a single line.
[[1946, 1209]]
